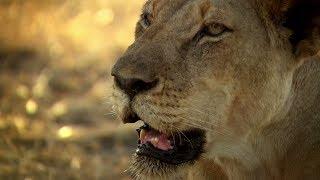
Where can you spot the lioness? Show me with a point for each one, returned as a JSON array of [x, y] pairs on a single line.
[[227, 89]]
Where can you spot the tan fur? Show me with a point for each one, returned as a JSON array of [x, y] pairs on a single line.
[[257, 99]]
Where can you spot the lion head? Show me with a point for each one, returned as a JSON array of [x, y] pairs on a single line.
[[204, 76]]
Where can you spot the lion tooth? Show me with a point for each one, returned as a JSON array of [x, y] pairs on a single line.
[[142, 134], [155, 140]]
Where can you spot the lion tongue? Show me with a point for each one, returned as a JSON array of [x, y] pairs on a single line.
[[157, 139]]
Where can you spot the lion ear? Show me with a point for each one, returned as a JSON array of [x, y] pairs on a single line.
[[278, 8], [302, 17]]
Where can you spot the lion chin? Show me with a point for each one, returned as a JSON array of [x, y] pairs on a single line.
[[226, 89], [148, 168]]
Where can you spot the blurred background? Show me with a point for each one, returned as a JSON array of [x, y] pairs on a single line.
[[55, 61]]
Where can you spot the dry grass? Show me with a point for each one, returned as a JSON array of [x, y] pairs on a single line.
[[55, 61]]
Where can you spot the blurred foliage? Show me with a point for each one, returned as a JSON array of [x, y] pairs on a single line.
[[55, 61]]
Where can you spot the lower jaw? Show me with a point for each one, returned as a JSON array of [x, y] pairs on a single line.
[[170, 157], [152, 168], [149, 167]]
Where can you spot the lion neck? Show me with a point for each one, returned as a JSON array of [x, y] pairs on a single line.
[[291, 141]]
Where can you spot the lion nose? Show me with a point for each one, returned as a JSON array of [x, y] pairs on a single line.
[[133, 84]]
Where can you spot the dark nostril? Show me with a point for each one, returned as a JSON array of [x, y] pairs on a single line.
[[133, 86]]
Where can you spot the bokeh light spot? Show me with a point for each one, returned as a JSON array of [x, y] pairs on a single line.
[[65, 132], [31, 107]]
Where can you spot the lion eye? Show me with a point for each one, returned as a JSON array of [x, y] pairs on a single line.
[[212, 33], [215, 30], [146, 19]]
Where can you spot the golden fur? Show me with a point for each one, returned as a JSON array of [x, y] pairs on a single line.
[[254, 91]]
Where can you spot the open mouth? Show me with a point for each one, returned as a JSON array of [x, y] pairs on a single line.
[[173, 149]]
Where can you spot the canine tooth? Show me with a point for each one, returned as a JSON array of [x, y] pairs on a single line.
[[142, 134], [155, 140]]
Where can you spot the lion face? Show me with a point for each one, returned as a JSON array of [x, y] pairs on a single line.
[[203, 73]]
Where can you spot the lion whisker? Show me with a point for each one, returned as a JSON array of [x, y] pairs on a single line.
[[180, 132]]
